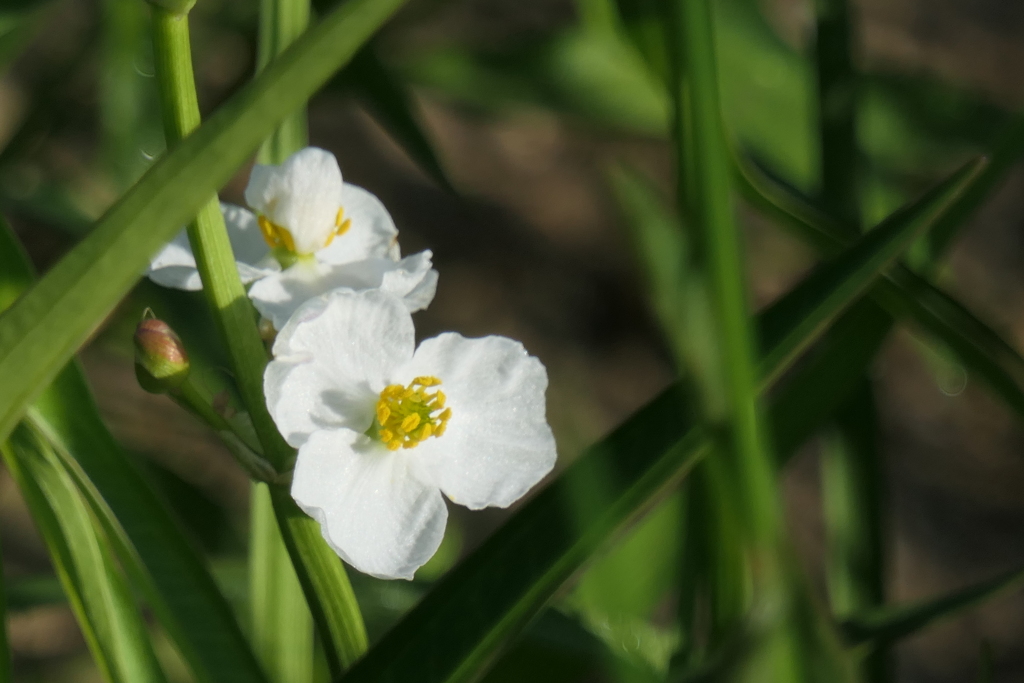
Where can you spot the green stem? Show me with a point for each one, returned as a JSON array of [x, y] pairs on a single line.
[[281, 22], [328, 592], [713, 211], [239, 440], [852, 476], [837, 111], [321, 574], [282, 627], [281, 619], [739, 485], [851, 467], [215, 260]]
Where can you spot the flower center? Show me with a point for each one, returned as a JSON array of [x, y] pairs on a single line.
[[275, 235], [278, 236], [408, 415]]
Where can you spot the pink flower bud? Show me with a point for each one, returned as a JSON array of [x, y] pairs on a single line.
[[161, 364]]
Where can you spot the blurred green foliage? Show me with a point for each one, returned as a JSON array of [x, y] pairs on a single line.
[[550, 597]]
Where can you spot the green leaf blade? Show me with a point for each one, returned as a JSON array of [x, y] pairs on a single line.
[[97, 591], [41, 332], [149, 544], [823, 295], [889, 624]]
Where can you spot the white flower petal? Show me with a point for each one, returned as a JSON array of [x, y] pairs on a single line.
[[332, 359], [175, 265], [247, 243], [498, 443], [372, 233], [302, 195], [372, 510], [412, 279]]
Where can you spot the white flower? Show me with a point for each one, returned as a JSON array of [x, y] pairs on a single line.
[[329, 233], [383, 428]]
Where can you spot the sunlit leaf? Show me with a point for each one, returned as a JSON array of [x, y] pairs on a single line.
[[39, 334], [82, 557], [149, 544]]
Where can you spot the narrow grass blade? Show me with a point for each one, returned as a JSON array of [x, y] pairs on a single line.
[[281, 23], [820, 297], [838, 103], [128, 121], [854, 502], [849, 457], [314, 572], [323, 575], [147, 540], [890, 624], [731, 401], [39, 334], [60, 555], [903, 293], [806, 400], [282, 627], [82, 555]]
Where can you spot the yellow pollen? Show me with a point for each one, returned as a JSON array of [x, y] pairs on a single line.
[[411, 422], [341, 223], [276, 235], [279, 236], [408, 415]]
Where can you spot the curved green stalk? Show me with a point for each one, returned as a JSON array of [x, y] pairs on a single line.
[[742, 479], [282, 625], [851, 468], [222, 287], [41, 332], [281, 22], [84, 561], [329, 593]]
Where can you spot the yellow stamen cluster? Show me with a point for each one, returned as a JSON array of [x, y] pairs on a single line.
[[408, 415], [276, 235], [279, 236]]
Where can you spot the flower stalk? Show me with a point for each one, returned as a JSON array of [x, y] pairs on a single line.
[[851, 465], [282, 621], [744, 570], [162, 367], [323, 577], [215, 260]]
